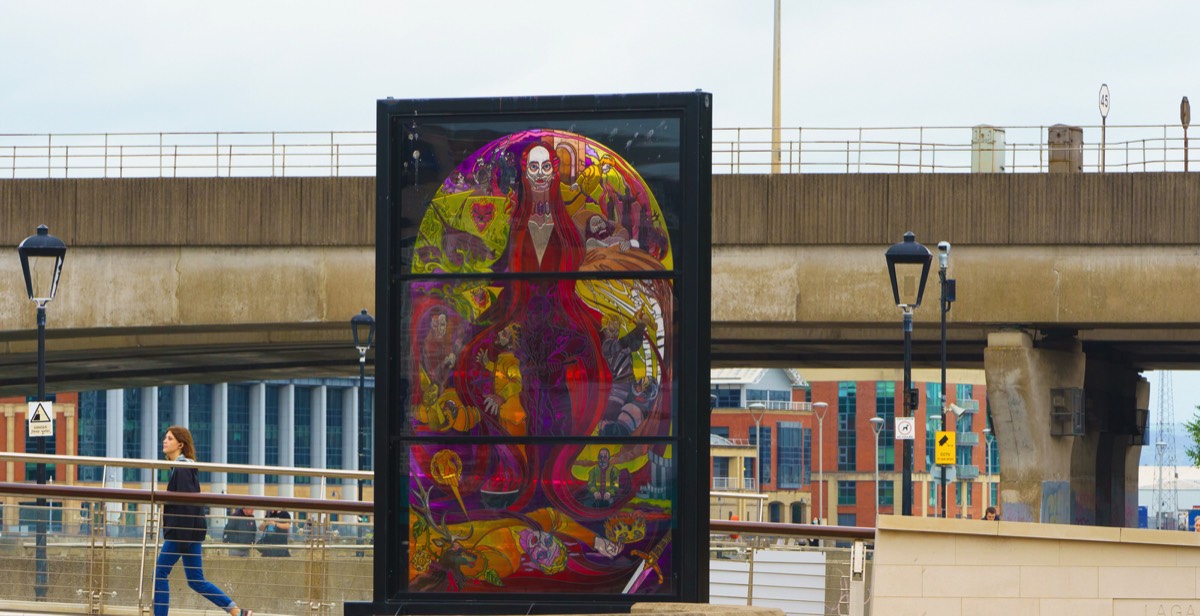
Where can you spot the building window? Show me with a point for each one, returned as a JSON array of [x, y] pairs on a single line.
[[885, 408], [847, 492], [200, 403], [807, 457], [93, 417], [791, 450], [993, 496], [887, 493], [847, 519], [808, 394], [303, 440], [993, 450], [847, 437], [166, 409], [932, 492], [333, 431], [721, 431], [366, 444], [764, 453], [963, 424], [271, 431], [933, 415], [775, 511], [132, 433], [798, 513], [720, 473], [238, 423], [727, 397], [757, 395]]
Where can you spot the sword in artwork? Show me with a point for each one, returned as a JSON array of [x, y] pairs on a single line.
[[648, 565]]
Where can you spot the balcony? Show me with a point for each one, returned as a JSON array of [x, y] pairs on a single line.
[[966, 439], [966, 472]]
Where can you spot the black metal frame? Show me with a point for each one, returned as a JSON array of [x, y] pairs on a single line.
[[691, 278]]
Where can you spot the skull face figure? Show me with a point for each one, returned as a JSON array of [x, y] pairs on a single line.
[[539, 169]]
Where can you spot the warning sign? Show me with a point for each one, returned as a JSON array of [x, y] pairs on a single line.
[[943, 451], [40, 419]]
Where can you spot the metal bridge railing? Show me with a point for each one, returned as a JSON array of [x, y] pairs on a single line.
[[743, 150], [102, 544]]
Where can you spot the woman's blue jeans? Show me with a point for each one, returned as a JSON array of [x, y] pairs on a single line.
[[193, 568]]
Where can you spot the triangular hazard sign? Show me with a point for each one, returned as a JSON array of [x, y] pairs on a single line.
[[40, 415]]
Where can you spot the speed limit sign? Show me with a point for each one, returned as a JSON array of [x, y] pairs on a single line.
[[906, 428]]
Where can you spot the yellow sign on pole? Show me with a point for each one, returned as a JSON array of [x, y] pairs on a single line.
[[943, 452]]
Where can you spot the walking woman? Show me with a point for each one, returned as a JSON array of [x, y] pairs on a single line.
[[184, 528]]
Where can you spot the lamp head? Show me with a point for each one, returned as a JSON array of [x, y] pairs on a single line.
[[819, 408], [362, 325], [877, 424], [41, 261], [908, 267]]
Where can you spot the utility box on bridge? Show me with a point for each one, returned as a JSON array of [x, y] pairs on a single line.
[[987, 149], [1066, 148]]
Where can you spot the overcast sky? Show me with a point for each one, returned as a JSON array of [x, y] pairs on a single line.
[[150, 66]]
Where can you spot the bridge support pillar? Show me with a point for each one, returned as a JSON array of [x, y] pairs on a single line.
[[1036, 468], [1104, 469]]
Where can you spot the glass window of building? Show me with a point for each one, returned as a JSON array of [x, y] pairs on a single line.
[[132, 433], [728, 396], [764, 452], [721, 473], [887, 493], [333, 431], [721, 431], [757, 395], [847, 414], [847, 492], [775, 511], [271, 431], [200, 403], [885, 408], [847, 519], [791, 450], [933, 416], [92, 417], [237, 442], [807, 463], [366, 444], [303, 441]]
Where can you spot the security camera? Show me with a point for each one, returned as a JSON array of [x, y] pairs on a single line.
[[943, 254]]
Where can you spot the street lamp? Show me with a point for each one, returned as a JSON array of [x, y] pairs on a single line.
[[41, 260], [876, 426], [819, 408], [987, 461], [362, 325], [908, 267], [757, 410], [948, 288]]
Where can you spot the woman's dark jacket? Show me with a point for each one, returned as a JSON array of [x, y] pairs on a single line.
[[184, 521]]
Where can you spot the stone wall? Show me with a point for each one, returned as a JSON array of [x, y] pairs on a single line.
[[965, 567]]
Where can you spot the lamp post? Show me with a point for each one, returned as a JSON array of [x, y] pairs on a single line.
[[908, 267], [819, 408], [1185, 118], [987, 462], [362, 325], [876, 426], [948, 289], [41, 261]]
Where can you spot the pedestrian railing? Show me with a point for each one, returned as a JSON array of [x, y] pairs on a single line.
[[102, 545], [743, 150], [99, 546]]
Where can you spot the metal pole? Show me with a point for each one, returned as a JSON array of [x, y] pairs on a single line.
[[944, 306], [821, 468], [40, 553], [362, 415], [877, 499], [775, 98], [906, 507]]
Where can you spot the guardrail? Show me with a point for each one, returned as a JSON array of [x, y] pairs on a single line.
[[743, 150]]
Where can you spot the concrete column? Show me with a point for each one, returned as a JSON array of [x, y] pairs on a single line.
[[318, 437], [150, 435], [114, 435], [350, 440], [1035, 485], [287, 437], [220, 435], [1133, 455], [258, 434], [180, 399]]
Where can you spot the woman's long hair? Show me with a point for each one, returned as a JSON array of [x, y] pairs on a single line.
[[184, 436]]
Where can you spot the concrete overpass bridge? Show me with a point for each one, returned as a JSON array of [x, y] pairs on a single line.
[[1067, 282]]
